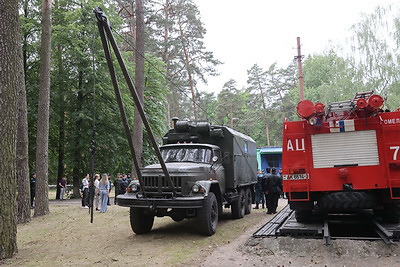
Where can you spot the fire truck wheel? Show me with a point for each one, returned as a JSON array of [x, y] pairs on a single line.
[[141, 222], [249, 201], [347, 201], [238, 206], [391, 212], [303, 215], [207, 216]]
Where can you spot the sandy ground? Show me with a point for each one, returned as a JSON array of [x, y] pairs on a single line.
[[66, 237]]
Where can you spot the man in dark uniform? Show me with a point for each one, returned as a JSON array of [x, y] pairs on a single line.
[[259, 190], [274, 188], [265, 185]]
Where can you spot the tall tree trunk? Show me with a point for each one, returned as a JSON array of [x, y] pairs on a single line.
[[139, 82], [190, 76], [12, 80], [172, 109], [61, 122], [25, 37], [77, 170], [42, 136], [23, 198]]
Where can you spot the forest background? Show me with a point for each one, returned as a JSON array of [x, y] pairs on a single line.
[[176, 62]]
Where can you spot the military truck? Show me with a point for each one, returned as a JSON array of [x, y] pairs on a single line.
[[210, 167]]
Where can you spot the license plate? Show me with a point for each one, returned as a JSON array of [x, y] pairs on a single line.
[[296, 176]]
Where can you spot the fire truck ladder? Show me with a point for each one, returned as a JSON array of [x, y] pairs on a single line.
[[303, 185], [392, 168]]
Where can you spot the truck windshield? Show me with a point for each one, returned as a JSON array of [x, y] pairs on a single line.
[[187, 154]]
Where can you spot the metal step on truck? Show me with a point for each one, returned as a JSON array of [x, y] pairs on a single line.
[[210, 167]]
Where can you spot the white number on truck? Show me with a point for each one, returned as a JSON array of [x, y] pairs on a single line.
[[396, 151]]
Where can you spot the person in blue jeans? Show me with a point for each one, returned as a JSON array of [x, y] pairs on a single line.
[[104, 187]]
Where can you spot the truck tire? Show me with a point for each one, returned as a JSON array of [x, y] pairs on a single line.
[[391, 212], [249, 201], [141, 222], [207, 216], [238, 206], [303, 215], [347, 201]]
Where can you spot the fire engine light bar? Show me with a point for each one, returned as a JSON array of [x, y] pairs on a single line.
[[375, 101], [361, 103], [319, 108], [305, 109]]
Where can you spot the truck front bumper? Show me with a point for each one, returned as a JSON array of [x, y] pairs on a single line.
[[132, 200]]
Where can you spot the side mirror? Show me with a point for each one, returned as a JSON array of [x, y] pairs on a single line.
[[215, 159]]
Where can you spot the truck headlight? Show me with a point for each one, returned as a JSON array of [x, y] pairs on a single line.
[[196, 188], [132, 188]]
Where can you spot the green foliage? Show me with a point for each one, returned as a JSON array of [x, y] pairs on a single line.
[[82, 95], [176, 32]]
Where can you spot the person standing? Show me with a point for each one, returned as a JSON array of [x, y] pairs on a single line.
[[63, 187], [109, 189], [274, 188], [97, 190], [85, 191], [117, 186], [123, 185], [104, 187], [32, 182], [265, 184], [259, 190], [281, 175]]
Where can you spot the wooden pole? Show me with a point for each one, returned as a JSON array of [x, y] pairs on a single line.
[[300, 67]]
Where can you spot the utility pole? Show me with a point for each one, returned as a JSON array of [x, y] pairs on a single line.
[[299, 57]]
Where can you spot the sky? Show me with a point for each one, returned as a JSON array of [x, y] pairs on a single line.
[[244, 33]]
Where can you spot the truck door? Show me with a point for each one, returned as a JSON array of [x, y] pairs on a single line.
[[219, 169]]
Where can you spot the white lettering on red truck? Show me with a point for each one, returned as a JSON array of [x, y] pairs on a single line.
[[396, 151], [298, 145], [392, 121]]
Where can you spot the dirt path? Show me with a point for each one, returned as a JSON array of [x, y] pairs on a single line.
[[287, 251], [236, 253]]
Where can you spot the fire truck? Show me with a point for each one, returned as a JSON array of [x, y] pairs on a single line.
[[343, 158]]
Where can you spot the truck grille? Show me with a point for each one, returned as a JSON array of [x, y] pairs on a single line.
[[159, 184]]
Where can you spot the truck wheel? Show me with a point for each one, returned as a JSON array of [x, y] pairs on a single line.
[[207, 216], [303, 215], [249, 201], [141, 222], [238, 206], [347, 201], [391, 212]]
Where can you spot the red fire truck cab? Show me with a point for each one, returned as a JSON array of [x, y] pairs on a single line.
[[343, 158]]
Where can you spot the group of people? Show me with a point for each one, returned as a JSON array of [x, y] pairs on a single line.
[[268, 189], [121, 183], [101, 194], [103, 189]]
